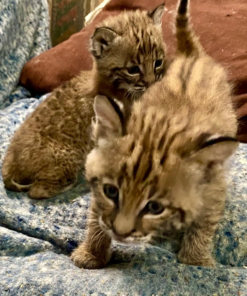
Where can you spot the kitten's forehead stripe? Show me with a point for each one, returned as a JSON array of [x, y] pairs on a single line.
[[148, 169], [138, 60], [137, 165], [182, 215], [120, 180], [147, 138], [162, 141], [154, 137], [152, 191], [169, 144], [132, 146], [123, 169]]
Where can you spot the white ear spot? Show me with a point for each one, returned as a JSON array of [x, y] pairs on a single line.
[[216, 148], [105, 113]]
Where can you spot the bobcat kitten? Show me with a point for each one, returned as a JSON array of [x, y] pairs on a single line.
[[164, 172], [48, 151]]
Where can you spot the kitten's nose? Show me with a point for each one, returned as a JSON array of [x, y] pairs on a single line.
[[122, 235], [149, 80], [123, 226]]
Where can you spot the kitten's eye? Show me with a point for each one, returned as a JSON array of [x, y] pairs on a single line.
[[111, 192], [155, 208], [158, 64], [134, 70]]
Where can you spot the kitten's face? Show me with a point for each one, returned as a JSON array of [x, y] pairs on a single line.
[[153, 180], [129, 53], [136, 198]]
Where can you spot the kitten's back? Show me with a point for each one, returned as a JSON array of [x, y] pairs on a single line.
[[194, 83]]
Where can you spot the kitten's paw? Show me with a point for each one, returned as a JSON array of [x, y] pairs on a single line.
[[38, 192], [84, 259], [41, 191], [198, 261]]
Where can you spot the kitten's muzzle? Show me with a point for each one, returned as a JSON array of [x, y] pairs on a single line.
[[127, 237], [121, 236]]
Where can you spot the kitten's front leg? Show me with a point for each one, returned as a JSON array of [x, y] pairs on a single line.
[[197, 243], [196, 246], [95, 252]]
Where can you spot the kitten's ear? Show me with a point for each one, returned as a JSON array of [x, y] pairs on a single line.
[[101, 40], [156, 14], [215, 149], [107, 124]]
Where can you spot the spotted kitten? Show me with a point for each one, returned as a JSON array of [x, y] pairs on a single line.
[[164, 172], [48, 151]]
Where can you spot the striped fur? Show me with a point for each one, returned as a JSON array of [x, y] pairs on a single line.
[[168, 163]]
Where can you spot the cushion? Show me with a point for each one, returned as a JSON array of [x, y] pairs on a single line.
[[219, 25]]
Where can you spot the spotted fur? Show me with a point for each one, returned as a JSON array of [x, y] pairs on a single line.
[[48, 151], [164, 173], [141, 44]]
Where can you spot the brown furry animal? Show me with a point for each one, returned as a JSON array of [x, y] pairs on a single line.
[[48, 151], [163, 173]]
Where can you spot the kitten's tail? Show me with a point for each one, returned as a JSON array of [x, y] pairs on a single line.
[[187, 42], [10, 184]]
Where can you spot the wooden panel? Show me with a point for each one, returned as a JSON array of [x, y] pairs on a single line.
[[68, 16]]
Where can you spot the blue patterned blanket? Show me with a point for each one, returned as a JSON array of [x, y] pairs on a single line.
[[37, 236], [24, 33]]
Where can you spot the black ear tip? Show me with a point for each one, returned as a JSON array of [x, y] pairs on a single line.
[[215, 140], [161, 6], [95, 32]]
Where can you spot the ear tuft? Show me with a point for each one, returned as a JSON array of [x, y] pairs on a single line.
[[107, 123], [156, 14], [101, 40], [216, 148]]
